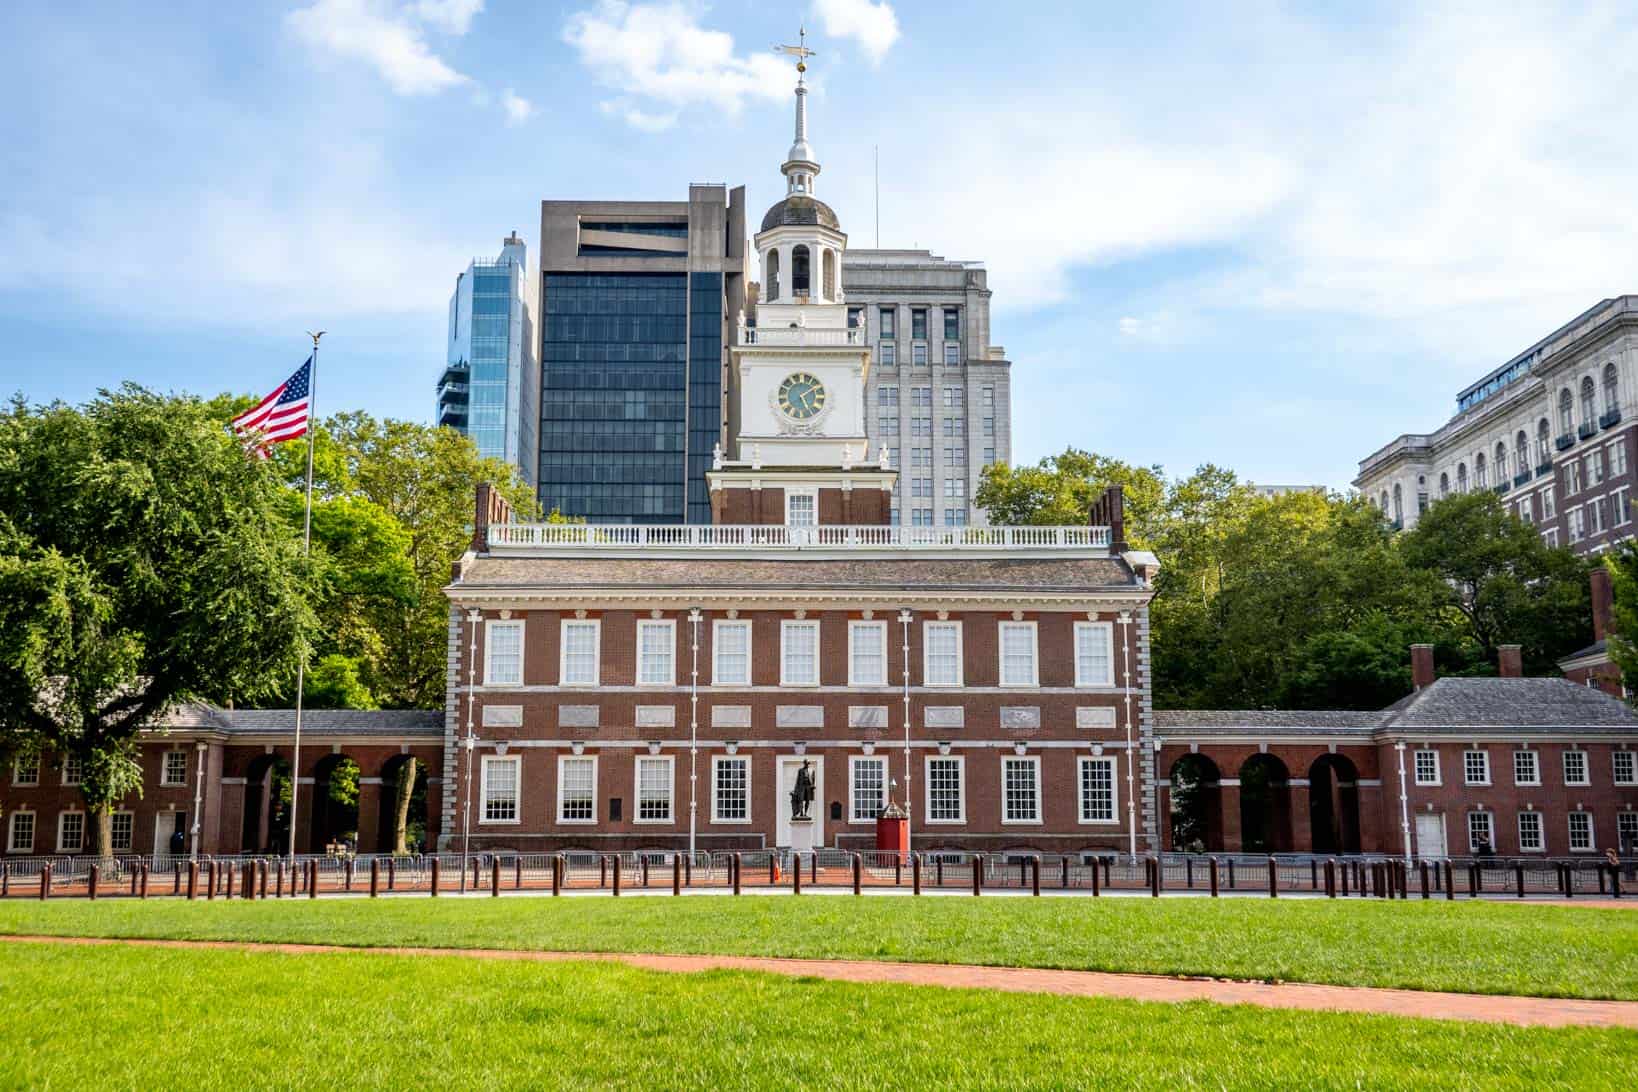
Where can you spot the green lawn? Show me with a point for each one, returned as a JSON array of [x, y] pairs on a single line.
[[1543, 950], [141, 1018]]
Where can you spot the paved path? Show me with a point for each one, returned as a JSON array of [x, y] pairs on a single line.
[[1501, 1009]]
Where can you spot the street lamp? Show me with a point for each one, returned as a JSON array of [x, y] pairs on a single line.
[[904, 625], [470, 743]]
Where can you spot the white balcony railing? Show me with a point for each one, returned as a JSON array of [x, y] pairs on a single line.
[[801, 335], [583, 536]]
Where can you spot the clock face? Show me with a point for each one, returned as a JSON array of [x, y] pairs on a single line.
[[801, 396]]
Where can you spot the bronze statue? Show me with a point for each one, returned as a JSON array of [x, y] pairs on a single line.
[[802, 794]]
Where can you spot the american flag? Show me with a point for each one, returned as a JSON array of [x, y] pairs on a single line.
[[280, 416]]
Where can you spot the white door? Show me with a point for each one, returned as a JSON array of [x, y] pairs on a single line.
[[167, 823], [1430, 836], [788, 765]]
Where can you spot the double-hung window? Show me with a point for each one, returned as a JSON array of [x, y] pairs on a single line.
[[730, 789], [942, 654], [867, 653], [654, 788], [1626, 830], [867, 788], [799, 653], [503, 654], [120, 827], [1530, 832], [1575, 768], [1625, 765], [946, 800], [1097, 790], [1581, 832], [1476, 767], [801, 509], [579, 661], [25, 770], [577, 789], [1526, 768], [174, 773], [731, 653], [656, 653], [73, 769], [1094, 655], [1020, 789], [1480, 833], [1018, 654], [21, 839], [70, 831], [1427, 767], [498, 789]]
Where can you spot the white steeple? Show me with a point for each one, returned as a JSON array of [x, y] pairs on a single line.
[[800, 167]]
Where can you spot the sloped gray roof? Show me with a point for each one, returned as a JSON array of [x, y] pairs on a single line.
[[1318, 719], [387, 722], [1510, 703]]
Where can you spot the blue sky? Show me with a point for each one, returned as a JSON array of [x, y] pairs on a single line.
[[1272, 238]]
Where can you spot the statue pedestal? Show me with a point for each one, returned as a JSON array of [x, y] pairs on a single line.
[[803, 836]]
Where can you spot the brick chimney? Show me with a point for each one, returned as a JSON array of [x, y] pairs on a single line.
[[1603, 602], [1510, 661], [1109, 511], [1421, 666], [490, 508]]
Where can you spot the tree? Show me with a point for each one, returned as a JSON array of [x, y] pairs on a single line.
[[144, 562], [1504, 584], [1060, 489], [1622, 562], [404, 793]]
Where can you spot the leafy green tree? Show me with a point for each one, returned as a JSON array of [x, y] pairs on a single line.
[[144, 562], [1622, 562], [1060, 490]]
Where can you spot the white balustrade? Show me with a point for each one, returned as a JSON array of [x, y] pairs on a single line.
[[801, 335], [592, 536]]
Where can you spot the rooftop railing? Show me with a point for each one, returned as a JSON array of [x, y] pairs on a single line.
[[706, 537], [801, 335]]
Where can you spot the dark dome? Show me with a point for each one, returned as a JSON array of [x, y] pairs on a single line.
[[802, 211]]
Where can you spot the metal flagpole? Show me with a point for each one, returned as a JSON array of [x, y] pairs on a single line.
[[306, 551]]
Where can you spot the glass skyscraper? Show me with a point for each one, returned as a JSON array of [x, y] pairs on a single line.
[[634, 298], [489, 386]]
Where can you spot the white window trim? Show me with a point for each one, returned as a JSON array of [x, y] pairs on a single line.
[[563, 652], [1586, 768], [1468, 822], [488, 644], [165, 768], [1001, 655], [11, 824], [859, 760], [1088, 627], [716, 813], [17, 772], [927, 789], [785, 627], [802, 491], [1525, 751], [1438, 769], [716, 648], [1040, 804], [670, 762], [1615, 777], [80, 780], [1114, 790], [670, 625], [516, 761], [1541, 828], [960, 654], [852, 628], [1489, 774], [62, 818], [562, 761], [1592, 833], [111, 817]]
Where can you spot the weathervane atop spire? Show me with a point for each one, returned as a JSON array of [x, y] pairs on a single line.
[[800, 52], [800, 164]]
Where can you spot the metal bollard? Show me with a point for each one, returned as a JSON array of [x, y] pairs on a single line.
[[1518, 878], [1097, 888], [312, 879], [676, 873], [347, 876], [688, 871], [134, 870], [1155, 879], [733, 867], [5, 878], [1230, 871], [494, 878], [1273, 878], [227, 880], [392, 873], [91, 882], [210, 881], [644, 862], [616, 873], [858, 874], [1063, 862], [1331, 878], [375, 877], [898, 869], [434, 890], [142, 886], [978, 874], [938, 866], [1345, 870], [261, 877], [1313, 875], [557, 873], [1214, 878], [249, 884], [1474, 881], [1450, 882], [1422, 868], [602, 871], [915, 873], [45, 881], [517, 873], [796, 874], [278, 891], [1035, 875], [1188, 872], [773, 867]]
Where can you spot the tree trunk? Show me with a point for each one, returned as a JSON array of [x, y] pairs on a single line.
[[101, 817], [400, 817]]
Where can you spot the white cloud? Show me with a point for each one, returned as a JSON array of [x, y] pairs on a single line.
[[387, 38], [658, 52], [518, 108], [873, 24]]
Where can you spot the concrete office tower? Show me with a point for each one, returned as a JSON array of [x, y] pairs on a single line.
[[490, 389], [940, 396], [636, 298]]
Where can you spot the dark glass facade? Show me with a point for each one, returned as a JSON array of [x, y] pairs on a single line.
[[704, 387], [614, 436]]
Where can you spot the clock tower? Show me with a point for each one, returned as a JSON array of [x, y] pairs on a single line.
[[798, 452]]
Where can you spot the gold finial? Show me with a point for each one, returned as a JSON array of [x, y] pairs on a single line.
[[800, 51]]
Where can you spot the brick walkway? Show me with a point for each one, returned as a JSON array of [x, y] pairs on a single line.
[[1500, 1009]]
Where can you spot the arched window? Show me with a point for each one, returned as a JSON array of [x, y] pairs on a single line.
[[1566, 413], [770, 273], [1589, 407], [1612, 390], [1461, 477], [1382, 505], [1480, 477], [830, 274], [1444, 486], [1398, 505], [800, 280], [1521, 452], [1501, 463], [1544, 433]]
